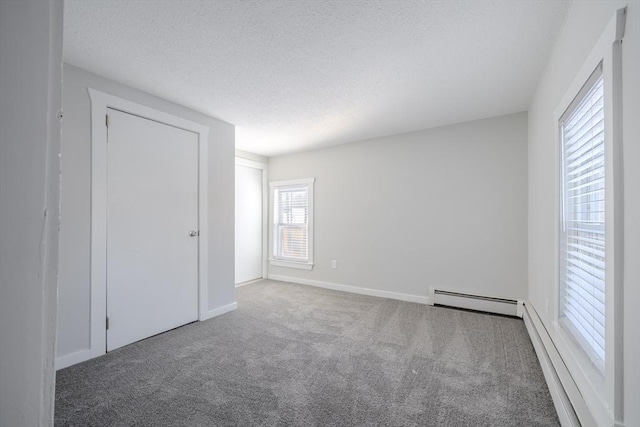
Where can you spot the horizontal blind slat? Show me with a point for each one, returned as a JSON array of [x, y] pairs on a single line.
[[579, 158], [585, 267], [583, 320], [577, 131], [586, 301], [573, 279]]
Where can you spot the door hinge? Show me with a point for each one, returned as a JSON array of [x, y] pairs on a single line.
[[107, 323], [106, 120]]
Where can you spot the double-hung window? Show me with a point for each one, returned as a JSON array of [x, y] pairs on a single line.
[[582, 234], [292, 223]]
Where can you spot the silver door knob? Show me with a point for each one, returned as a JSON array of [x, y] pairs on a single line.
[[193, 233]]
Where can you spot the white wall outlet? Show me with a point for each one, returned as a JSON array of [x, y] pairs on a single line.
[[334, 264]]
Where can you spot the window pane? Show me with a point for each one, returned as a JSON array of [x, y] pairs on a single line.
[[291, 216], [293, 241], [582, 245]]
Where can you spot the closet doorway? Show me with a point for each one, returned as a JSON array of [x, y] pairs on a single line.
[[250, 221]]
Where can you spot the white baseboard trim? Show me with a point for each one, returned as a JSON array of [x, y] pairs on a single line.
[[219, 310], [248, 282], [353, 289], [76, 357], [86, 354], [547, 353]]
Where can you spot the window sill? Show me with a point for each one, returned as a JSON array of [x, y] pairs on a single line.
[[588, 380], [291, 264]]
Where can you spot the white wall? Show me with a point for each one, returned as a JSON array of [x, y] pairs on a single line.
[[30, 97], [584, 24], [73, 318], [444, 207]]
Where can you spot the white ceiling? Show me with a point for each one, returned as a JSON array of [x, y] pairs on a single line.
[[296, 75]]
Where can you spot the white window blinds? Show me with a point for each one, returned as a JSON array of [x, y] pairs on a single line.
[[291, 222], [582, 240]]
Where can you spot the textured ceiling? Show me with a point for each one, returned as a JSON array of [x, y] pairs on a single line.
[[295, 75]]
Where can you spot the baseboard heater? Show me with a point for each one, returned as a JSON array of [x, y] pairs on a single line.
[[509, 307]]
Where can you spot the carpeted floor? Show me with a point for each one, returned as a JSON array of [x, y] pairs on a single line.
[[294, 355]]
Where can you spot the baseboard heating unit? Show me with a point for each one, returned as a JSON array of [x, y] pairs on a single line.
[[509, 307]]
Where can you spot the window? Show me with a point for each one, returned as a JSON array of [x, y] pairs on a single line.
[[292, 223], [582, 234], [587, 323]]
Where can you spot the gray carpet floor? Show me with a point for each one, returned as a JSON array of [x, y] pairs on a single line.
[[293, 355]]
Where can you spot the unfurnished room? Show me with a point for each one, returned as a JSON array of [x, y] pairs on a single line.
[[320, 213]]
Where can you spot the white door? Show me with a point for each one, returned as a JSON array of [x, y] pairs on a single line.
[[152, 206], [248, 223]]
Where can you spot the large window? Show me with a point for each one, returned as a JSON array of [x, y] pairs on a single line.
[[582, 234], [587, 325], [292, 223]]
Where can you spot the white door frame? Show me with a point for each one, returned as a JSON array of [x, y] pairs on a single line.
[[100, 101], [265, 207]]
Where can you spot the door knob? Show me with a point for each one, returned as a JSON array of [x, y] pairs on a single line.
[[193, 233]]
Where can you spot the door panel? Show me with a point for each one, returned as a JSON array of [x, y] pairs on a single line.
[[152, 204], [248, 223]]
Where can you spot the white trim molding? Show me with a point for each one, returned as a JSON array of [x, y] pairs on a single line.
[[72, 358], [352, 289], [249, 282], [547, 354], [219, 311], [100, 102], [308, 265], [291, 264]]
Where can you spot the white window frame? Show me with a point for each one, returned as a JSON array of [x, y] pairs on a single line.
[[303, 265], [603, 394]]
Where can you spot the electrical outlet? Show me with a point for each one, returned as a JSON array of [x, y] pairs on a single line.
[[334, 264]]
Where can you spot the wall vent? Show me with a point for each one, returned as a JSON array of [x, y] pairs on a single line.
[[509, 307]]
